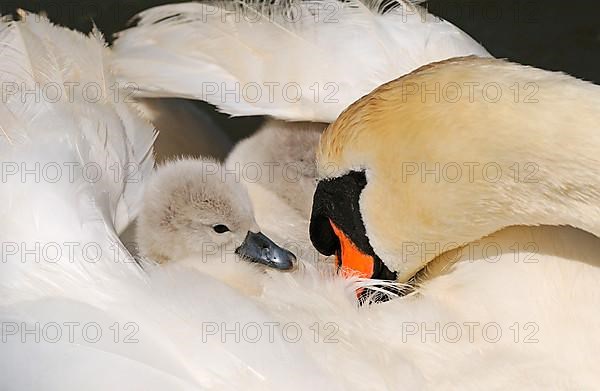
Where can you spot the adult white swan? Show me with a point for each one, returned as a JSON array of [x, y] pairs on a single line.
[[294, 61], [96, 322], [148, 44]]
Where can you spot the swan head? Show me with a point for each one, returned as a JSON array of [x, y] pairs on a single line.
[[193, 209], [451, 153]]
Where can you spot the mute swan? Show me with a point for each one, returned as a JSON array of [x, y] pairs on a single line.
[[383, 39], [200, 211], [176, 328], [192, 212], [387, 210]]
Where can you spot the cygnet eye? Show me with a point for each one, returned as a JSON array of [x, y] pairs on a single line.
[[220, 228]]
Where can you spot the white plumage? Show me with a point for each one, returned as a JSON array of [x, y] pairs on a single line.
[[49, 276], [298, 61], [545, 310], [73, 163]]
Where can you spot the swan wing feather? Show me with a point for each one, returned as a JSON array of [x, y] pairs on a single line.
[[293, 60]]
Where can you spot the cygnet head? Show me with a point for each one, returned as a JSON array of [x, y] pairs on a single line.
[[191, 208]]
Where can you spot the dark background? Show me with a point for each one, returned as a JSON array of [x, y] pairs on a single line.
[[558, 35]]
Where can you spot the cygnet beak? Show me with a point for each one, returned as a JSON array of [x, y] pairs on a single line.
[[260, 249]]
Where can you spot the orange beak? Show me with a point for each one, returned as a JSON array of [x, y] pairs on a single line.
[[351, 261]]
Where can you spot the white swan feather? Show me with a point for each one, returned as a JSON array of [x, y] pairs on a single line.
[[293, 60]]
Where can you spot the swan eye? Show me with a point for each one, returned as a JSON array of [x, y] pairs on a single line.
[[220, 228]]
